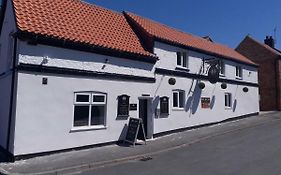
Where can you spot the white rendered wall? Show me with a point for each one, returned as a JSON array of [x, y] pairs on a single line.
[[192, 115], [6, 57], [66, 58], [45, 112], [168, 60]]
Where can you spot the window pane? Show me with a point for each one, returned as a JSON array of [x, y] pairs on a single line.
[[82, 98], [184, 59], [240, 72], [222, 67], [175, 99], [229, 100], [81, 115], [181, 99], [98, 115], [98, 98], [225, 100], [178, 58]]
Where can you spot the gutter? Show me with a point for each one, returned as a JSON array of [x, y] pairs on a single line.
[[14, 35]]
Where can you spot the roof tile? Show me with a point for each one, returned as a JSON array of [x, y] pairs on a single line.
[[164, 32], [78, 21]]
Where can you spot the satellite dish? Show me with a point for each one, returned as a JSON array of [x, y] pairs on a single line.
[[213, 74]]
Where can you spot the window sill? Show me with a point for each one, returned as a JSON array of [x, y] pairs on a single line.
[[238, 78], [222, 75], [88, 128], [180, 68], [178, 109], [228, 108]]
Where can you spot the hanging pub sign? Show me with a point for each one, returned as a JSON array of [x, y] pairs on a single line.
[[123, 105], [135, 131], [164, 105], [213, 74], [205, 102]]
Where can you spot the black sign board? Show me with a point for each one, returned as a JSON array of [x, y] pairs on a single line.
[[205, 102], [164, 105], [135, 131], [123, 105], [133, 107]]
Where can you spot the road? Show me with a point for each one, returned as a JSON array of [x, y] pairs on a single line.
[[252, 151]]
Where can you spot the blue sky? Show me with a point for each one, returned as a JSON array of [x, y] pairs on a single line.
[[227, 22]]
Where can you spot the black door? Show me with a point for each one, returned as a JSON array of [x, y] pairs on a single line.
[[143, 113]]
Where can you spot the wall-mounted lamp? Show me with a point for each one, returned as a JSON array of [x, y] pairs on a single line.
[[223, 85], [201, 85], [172, 81], [245, 89]]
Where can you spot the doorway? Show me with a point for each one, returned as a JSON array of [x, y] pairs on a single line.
[[143, 113]]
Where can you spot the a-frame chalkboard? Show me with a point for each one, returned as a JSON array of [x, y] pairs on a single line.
[[135, 131]]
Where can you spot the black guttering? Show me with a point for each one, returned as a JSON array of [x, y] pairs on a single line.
[[201, 77], [3, 11], [93, 74], [202, 51], [12, 96], [33, 38]]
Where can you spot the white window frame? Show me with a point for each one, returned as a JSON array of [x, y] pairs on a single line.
[[90, 104], [238, 69], [182, 57], [222, 67], [178, 92], [75, 100], [226, 104]]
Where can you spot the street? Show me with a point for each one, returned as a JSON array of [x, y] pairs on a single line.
[[255, 150]]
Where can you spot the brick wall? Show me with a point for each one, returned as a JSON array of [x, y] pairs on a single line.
[[268, 72]]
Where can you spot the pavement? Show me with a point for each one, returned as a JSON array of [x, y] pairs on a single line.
[[94, 158]]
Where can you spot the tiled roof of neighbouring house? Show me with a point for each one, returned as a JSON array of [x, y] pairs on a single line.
[[171, 35], [76, 21]]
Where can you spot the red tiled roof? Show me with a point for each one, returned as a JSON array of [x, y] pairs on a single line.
[[169, 34], [77, 21]]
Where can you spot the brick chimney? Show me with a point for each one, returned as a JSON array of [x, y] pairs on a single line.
[[269, 41]]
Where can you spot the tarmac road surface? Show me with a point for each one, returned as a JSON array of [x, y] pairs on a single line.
[[251, 151]]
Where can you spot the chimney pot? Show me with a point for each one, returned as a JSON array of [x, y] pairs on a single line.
[[269, 41]]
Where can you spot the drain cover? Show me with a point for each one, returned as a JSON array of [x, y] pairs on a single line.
[[147, 158]]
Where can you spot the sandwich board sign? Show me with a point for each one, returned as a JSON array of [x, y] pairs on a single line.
[[135, 131]]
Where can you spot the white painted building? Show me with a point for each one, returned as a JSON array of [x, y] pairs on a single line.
[[64, 87]]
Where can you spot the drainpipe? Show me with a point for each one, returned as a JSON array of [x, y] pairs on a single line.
[[277, 80], [14, 57]]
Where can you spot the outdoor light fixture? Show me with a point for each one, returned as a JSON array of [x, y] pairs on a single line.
[[245, 89], [172, 81], [201, 85], [223, 85]]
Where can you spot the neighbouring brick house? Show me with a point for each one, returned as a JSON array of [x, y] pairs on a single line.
[[269, 60]]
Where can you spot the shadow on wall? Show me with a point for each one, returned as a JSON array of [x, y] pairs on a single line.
[[124, 132], [193, 101], [213, 101], [234, 105]]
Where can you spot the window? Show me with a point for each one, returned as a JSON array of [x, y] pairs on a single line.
[[164, 105], [182, 59], [89, 109], [222, 67], [178, 99], [238, 73], [123, 105], [227, 100]]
